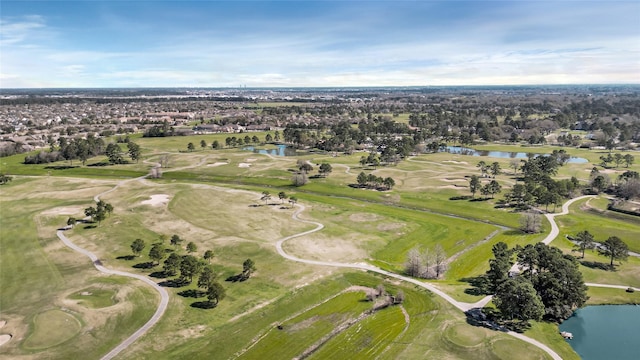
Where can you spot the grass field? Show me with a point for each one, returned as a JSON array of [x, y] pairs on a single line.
[[214, 201]]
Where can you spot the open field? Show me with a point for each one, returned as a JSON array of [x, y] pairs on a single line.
[[212, 198]]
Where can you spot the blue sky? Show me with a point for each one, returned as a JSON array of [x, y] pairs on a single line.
[[317, 43]]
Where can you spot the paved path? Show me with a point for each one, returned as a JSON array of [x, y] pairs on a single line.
[[362, 266], [624, 287], [551, 217], [164, 296]]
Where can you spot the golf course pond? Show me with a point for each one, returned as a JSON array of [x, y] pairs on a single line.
[[502, 154], [605, 332], [280, 150]]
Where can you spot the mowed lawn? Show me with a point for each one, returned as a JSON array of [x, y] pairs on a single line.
[[38, 274]]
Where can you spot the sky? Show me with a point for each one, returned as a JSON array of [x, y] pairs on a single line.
[[145, 43]]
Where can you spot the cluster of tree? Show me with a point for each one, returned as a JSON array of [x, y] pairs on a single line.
[[379, 291], [371, 181], [627, 185], [491, 188], [266, 197], [618, 159], [233, 141], [160, 130], [494, 168], [301, 177], [187, 266], [74, 149], [426, 264], [99, 212], [538, 188], [550, 284], [4, 179], [614, 248]]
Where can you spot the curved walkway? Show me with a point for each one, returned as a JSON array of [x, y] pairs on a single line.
[[460, 305], [164, 296]]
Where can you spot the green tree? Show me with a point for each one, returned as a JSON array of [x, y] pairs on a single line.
[[389, 183], [483, 167], [495, 169], [215, 145], [207, 277], [190, 266], [114, 154], [172, 264], [192, 247], [499, 266], [137, 246], [362, 179], [293, 200], [156, 253], [474, 185], [266, 196], [282, 196], [615, 249], [628, 160], [325, 169], [248, 267], [203, 144], [208, 255], [585, 241], [175, 240], [71, 221], [517, 299], [216, 293], [268, 138], [191, 147], [134, 151], [305, 167]]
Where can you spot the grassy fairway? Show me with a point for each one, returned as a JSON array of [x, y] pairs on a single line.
[[214, 201], [37, 274]]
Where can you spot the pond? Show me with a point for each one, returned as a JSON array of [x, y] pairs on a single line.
[[605, 332], [502, 154], [280, 150]]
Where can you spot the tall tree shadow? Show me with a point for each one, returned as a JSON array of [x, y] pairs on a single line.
[[204, 304]]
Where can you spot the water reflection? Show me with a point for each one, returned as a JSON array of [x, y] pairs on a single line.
[[280, 150], [502, 154]]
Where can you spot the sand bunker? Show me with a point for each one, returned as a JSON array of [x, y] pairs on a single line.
[[218, 164], [244, 165], [251, 160], [452, 180], [157, 200], [4, 338], [455, 162]]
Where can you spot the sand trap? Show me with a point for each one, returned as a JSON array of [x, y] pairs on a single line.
[[4, 338], [251, 160], [244, 165], [85, 293], [217, 164], [452, 180], [3, 323], [455, 162], [157, 200]]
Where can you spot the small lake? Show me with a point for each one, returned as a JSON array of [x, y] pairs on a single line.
[[502, 154], [280, 150], [605, 332]]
